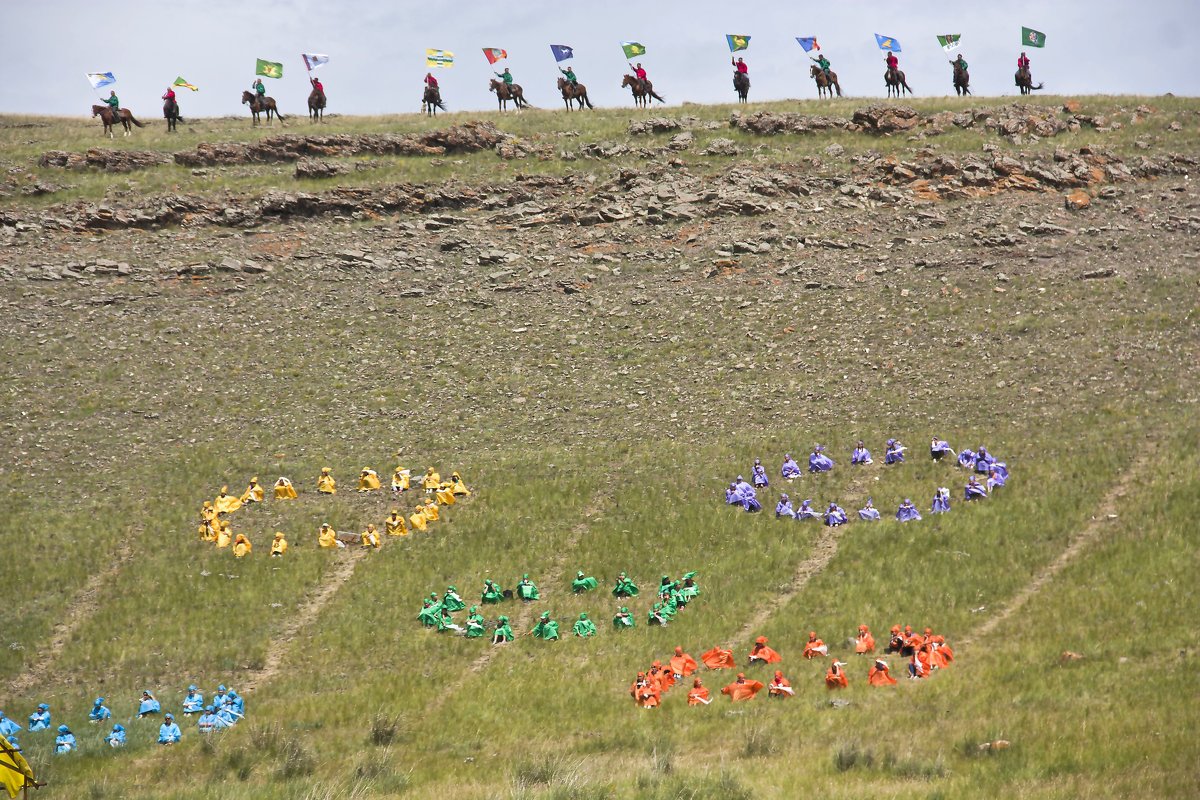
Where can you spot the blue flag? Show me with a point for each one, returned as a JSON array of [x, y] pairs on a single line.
[[98, 79], [809, 43], [562, 52], [887, 43]]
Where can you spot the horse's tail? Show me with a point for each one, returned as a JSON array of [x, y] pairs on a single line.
[[656, 97], [1033, 88], [589, 102], [838, 86], [281, 117], [135, 122]]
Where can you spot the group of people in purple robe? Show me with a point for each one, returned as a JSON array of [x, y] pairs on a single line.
[[980, 462]]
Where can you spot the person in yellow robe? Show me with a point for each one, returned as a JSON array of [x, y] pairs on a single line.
[[394, 524], [284, 489], [207, 512], [328, 537], [242, 546], [457, 486], [431, 510], [401, 480], [445, 494], [224, 535], [368, 480], [431, 481], [278, 545], [208, 531], [226, 503], [419, 521], [370, 537], [253, 493], [209, 522], [325, 483]]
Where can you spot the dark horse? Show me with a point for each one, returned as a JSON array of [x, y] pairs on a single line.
[[825, 83], [316, 105], [1025, 81], [574, 92], [741, 85], [642, 90], [432, 101], [171, 114], [257, 107], [109, 119], [894, 78], [962, 80], [505, 92]]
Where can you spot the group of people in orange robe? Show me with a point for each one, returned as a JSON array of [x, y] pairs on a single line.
[[925, 652]]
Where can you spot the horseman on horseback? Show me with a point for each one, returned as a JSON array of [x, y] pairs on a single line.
[[569, 74], [318, 87], [823, 63], [260, 91], [114, 105], [433, 94], [171, 109], [893, 66], [505, 76], [641, 76]]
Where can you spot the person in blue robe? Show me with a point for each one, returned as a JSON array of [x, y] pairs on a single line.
[[894, 454], [99, 711], [193, 701], [7, 726], [116, 738], [784, 507], [733, 497], [208, 721], [941, 501], [237, 702], [40, 720], [835, 515], [907, 511], [64, 742], [806, 511], [226, 717], [938, 448], [975, 490], [966, 459], [758, 474], [998, 476], [818, 461], [218, 700], [790, 470], [984, 461], [750, 499], [861, 455], [868, 512], [742, 486], [148, 705], [168, 732]]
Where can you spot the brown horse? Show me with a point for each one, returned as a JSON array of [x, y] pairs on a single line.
[[1025, 81], [741, 85], [257, 107], [962, 80], [894, 78], [316, 105], [109, 119], [431, 101], [505, 92], [574, 92], [642, 91], [171, 114], [825, 83]]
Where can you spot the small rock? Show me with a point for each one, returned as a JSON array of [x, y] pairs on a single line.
[[1078, 200]]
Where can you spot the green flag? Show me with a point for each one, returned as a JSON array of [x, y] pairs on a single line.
[[950, 41], [633, 49], [1032, 38], [269, 69]]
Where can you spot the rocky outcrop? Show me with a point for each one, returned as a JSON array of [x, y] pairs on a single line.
[[103, 159]]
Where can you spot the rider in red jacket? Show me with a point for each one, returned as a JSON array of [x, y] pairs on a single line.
[[170, 95], [430, 81], [740, 65], [892, 61], [1023, 62]]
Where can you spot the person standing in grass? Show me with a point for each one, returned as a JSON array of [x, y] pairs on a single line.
[[492, 593], [527, 590], [583, 584], [168, 732], [625, 587], [623, 620], [584, 627], [546, 628], [503, 633]]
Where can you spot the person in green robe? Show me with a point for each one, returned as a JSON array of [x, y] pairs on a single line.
[[582, 584], [623, 620], [527, 590], [656, 616], [112, 102], [503, 631], [569, 74], [625, 587], [960, 63], [584, 627], [452, 601], [429, 614], [676, 596], [476, 626], [492, 593], [505, 76], [690, 588], [823, 63], [546, 628], [445, 622], [664, 586]]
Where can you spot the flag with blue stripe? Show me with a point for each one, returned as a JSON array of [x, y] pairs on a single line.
[[887, 43]]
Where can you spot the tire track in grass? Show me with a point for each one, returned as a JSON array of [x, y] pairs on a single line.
[[1105, 513]]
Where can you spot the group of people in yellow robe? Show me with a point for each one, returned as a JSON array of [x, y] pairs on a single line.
[[215, 527]]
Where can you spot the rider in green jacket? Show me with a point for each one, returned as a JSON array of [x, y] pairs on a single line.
[[505, 76], [569, 74], [113, 102], [823, 63]]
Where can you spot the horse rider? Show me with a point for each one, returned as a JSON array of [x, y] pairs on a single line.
[[170, 96], [960, 63], [893, 63], [823, 63], [318, 86], [1023, 62], [113, 103], [569, 74], [430, 81], [740, 66], [507, 77], [640, 74], [260, 91]]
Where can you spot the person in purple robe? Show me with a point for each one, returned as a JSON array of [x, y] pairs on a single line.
[[907, 511], [784, 507], [966, 459], [861, 455], [835, 515], [806, 511], [818, 461], [742, 486], [894, 453], [758, 474], [984, 461], [869, 512], [938, 448], [790, 470], [733, 497], [998, 476], [941, 501], [975, 490], [750, 499]]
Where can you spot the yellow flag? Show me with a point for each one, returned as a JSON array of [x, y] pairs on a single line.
[[15, 773]]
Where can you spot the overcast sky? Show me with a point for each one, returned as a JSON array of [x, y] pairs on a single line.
[[377, 49]]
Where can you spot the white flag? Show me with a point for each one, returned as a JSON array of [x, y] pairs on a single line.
[[314, 60]]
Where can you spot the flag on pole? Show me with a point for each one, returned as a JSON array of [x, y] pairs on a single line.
[[182, 84], [98, 79], [809, 43], [1032, 38], [950, 41], [633, 49], [562, 52], [887, 43], [439, 58], [268, 69], [737, 41], [15, 773], [314, 60], [494, 54]]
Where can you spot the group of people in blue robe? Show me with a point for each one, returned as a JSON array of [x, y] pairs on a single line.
[[981, 463]]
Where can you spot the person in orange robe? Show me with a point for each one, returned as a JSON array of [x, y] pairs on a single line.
[[698, 694], [896, 641], [919, 666], [879, 675], [718, 658], [780, 686], [760, 653], [660, 676], [835, 676], [742, 689], [864, 642], [912, 641], [644, 692], [815, 648], [943, 651], [682, 664]]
